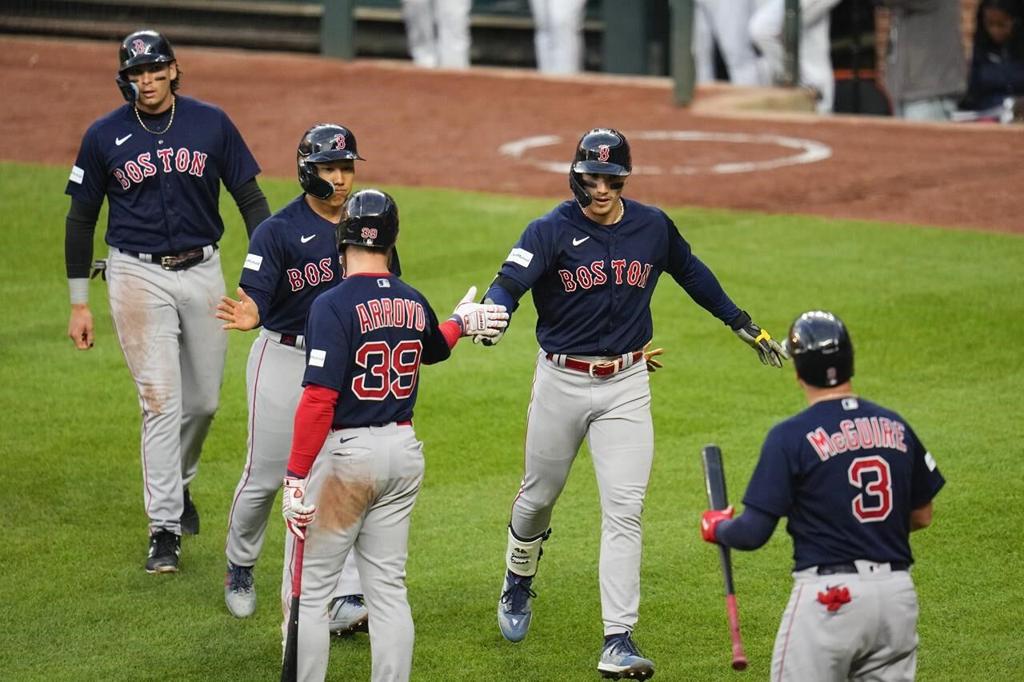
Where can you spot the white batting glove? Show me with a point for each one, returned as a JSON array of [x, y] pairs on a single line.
[[483, 320], [296, 514]]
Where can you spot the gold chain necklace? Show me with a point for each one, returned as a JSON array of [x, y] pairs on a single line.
[[169, 122], [622, 212]]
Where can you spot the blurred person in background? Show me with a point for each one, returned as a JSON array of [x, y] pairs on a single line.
[[997, 65], [558, 35], [925, 72], [438, 32]]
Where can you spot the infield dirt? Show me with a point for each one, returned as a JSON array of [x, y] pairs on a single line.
[[444, 129]]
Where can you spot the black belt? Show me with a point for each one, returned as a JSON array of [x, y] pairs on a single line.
[[832, 569], [172, 260]]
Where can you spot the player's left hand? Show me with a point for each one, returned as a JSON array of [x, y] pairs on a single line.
[[480, 320], [710, 519], [768, 349], [242, 314], [652, 364], [297, 514]]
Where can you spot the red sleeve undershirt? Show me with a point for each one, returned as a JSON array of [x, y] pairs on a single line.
[[451, 331], [313, 420], [315, 415]]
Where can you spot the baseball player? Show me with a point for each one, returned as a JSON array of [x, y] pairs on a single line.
[[854, 481], [558, 35], [592, 264], [766, 26], [725, 22], [438, 32], [159, 160], [353, 437], [292, 259]]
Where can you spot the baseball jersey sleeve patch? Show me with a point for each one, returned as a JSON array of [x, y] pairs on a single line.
[[520, 257], [253, 262], [77, 175], [930, 461], [317, 357]]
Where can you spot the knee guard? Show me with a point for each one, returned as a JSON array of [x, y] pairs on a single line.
[[522, 556]]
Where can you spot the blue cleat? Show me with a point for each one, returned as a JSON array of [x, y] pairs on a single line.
[[514, 612], [622, 660], [348, 615]]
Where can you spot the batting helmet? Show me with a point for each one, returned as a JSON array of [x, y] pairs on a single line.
[[144, 47], [602, 151], [821, 349], [322, 143], [371, 220]]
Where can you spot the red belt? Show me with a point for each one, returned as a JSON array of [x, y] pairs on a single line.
[[597, 369]]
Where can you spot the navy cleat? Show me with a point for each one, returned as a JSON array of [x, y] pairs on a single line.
[[348, 615], [239, 591], [164, 551], [514, 612], [622, 660]]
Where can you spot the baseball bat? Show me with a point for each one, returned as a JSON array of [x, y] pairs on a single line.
[[290, 664], [714, 482]]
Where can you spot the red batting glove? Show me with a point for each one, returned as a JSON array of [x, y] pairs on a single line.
[[709, 521]]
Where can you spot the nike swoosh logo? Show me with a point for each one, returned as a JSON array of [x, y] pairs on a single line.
[[577, 242], [306, 239], [121, 140], [342, 441]]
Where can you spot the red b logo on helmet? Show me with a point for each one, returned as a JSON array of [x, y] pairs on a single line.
[[603, 151], [339, 141], [139, 46]]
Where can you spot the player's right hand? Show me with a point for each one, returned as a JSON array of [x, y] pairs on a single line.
[[80, 329], [480, 320], [709, 521], [297, 514], [242, 314]]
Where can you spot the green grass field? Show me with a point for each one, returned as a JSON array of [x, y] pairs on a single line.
[[937, 317]]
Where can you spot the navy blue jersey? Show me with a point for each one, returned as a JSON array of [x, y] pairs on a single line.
[[847, 473], [163, 189], [292, 259], [366, 339], [592, 284]]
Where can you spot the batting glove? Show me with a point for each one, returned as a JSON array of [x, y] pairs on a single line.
[[297, 515], [652, 364], [709, 521], [479, 320], [768, 349]]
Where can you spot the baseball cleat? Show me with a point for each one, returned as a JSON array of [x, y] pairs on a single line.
[[514, 611], [348, 615], [164, 550], [622, 660], [189, 517], [239, 591]]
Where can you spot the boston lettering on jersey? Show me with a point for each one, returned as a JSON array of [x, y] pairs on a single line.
[[862, 433], [635, 274], [169, 160], [312, 274], [401, 313]]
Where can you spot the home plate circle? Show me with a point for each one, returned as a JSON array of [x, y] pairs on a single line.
[[794, 151]]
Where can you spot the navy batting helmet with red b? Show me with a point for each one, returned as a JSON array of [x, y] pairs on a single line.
[[601, 151], [322, 143]]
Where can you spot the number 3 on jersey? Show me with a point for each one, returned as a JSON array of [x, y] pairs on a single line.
[[381, 361], [871, 475]]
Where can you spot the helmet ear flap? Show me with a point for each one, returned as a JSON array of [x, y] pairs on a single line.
[[578, 190], [312, 183], [129, 90]]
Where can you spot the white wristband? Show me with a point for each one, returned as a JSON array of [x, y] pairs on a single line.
[[79, 290]]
